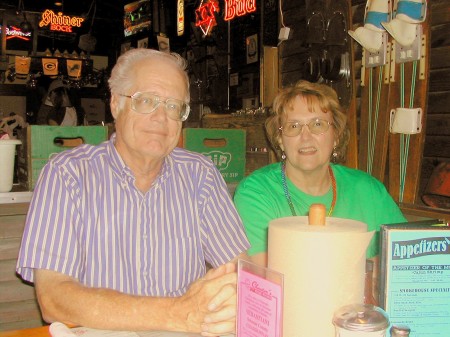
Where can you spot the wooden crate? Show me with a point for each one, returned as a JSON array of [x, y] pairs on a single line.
[[258, 150]]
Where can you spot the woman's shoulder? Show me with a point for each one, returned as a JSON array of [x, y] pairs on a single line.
[[355, 177], [262, 177]]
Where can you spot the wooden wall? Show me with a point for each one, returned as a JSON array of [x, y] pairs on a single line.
[[18, 305], [293, 52], [437, 140]]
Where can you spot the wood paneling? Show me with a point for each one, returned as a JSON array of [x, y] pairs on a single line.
[[437, 141], [439, 80], [440, 58], [18, 305]]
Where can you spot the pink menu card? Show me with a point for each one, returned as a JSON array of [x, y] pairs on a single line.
[[260, 301]]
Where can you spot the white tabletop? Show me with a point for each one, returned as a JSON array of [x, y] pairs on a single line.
[[15, 197]]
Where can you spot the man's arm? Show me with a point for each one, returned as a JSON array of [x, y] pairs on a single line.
[[208, 305]]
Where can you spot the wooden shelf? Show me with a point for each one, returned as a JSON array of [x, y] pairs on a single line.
[[423, 212]]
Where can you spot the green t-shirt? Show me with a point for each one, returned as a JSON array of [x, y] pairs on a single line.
[[260, 198]]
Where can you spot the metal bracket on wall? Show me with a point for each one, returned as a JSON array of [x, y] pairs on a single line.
[[406, 121], [412, 52], [423, 58], [379, 57]]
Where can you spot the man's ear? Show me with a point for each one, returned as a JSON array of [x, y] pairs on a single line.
[[114, 105]]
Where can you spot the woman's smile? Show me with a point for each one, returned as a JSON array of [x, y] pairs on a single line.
[[307, 150]]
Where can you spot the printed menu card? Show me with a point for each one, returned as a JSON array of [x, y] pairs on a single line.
[[415, 277], [260, 301]]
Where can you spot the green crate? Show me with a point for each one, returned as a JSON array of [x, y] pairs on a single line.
[[226, 149], [40, 142]]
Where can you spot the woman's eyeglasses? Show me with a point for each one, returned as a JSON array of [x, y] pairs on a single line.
[[147, 102], [316, 126]]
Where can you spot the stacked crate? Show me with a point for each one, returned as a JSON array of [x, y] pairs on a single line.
[[258, 150]]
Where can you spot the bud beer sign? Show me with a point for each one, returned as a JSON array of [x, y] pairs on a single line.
[[235, 8]]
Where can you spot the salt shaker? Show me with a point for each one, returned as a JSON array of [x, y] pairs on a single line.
[[400, 331], [360, 320]]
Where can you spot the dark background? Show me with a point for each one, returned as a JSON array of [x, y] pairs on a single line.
[[207, 56], [103, 20], [107, 26]]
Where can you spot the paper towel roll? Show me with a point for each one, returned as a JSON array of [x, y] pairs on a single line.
[[323, 267]]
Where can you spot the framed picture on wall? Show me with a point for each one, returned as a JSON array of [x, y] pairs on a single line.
[[245, 87], [252, 48], [143, 43], [163, 43]]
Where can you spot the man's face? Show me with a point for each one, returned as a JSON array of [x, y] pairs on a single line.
[[154, 135]]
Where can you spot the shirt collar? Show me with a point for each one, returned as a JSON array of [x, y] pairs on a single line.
[[124, 171], [117, 162]]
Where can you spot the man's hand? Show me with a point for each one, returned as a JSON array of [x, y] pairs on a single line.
[[208, 307], [211, 302]]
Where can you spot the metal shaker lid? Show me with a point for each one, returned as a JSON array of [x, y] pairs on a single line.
[[361, 317], [400, 331]]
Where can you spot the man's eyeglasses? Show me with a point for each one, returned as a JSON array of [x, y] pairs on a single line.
[[147, 102], [316, 126]]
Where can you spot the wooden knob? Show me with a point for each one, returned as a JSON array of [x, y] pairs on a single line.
[[317, 214]]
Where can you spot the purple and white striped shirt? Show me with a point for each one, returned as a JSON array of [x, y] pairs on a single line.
[[88, 220]]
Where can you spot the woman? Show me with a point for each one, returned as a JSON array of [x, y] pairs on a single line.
[[308, 132]]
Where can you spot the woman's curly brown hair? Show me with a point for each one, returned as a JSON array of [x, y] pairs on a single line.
[[316, 95]]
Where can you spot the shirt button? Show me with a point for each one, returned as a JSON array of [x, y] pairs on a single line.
[[144, 236]]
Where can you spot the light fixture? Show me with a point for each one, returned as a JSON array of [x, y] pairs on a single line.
[[87, 41], [58, 3], [25, 25]]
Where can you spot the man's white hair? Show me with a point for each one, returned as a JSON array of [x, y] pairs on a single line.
[[121, 80]]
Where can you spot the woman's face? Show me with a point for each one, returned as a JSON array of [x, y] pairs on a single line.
[[307, 151]]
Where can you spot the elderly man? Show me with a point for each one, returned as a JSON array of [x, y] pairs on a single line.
[[117, 234]]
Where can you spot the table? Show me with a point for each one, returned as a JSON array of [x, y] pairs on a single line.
[[43, 331]]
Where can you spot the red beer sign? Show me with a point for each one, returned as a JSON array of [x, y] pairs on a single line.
[[204, 15], [235, 8], [13, 32], [59, 22]]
